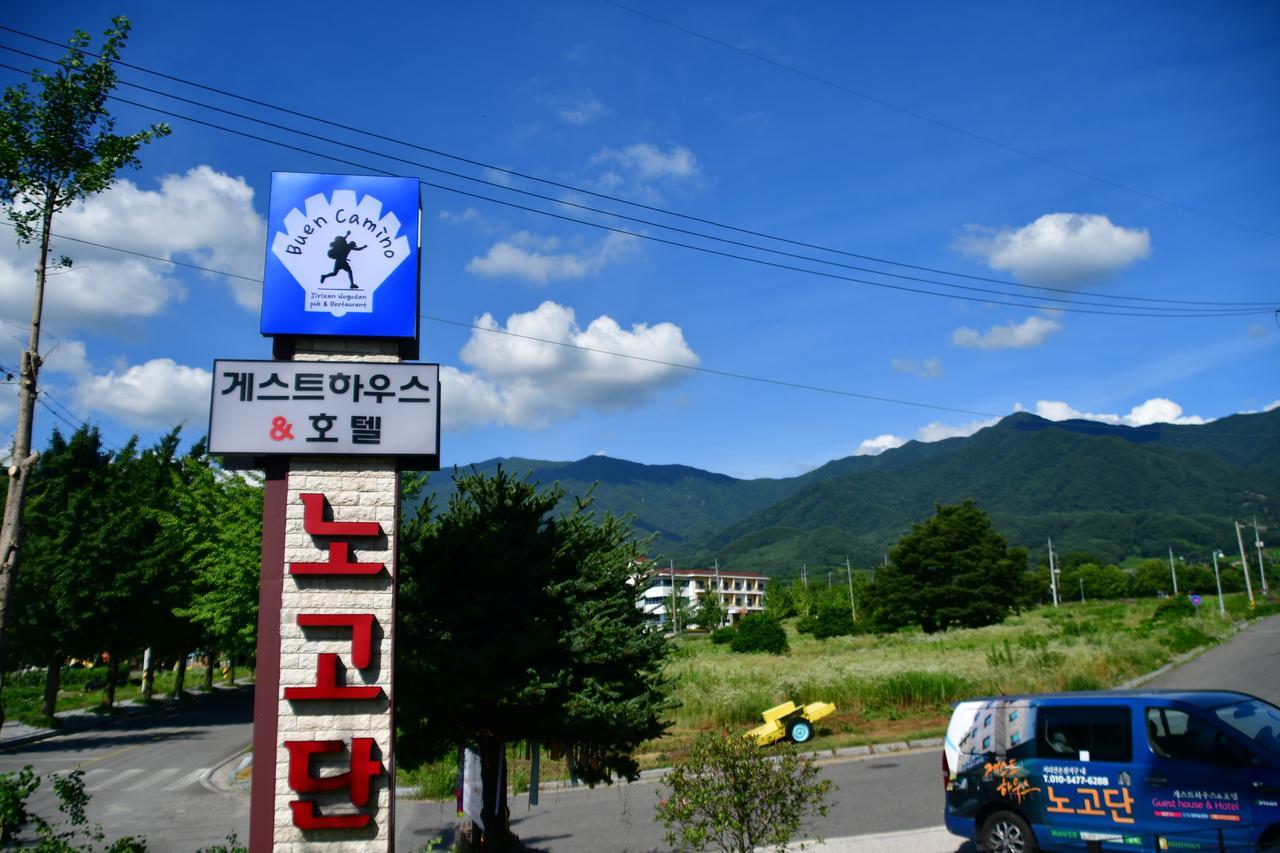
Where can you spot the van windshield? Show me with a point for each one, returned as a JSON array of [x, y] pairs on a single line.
[[1256, 720]]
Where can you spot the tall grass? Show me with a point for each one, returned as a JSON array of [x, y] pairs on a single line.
[[1074, 647]]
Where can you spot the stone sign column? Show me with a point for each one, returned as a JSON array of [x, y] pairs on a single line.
[[332, 420]]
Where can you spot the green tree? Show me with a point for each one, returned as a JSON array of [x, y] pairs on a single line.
[[516, 624], [1104, 581], [728, 794], [57, 147], [759, 632], [952, 569], [1151, 578], [57, 591], [214, 525], [834, 619], [777, 600], [710, 613]]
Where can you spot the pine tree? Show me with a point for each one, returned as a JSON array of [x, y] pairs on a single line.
[[518, 625]]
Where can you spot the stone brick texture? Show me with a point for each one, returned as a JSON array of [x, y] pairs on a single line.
[[357, 489]]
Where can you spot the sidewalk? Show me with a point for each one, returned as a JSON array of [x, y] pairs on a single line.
[[931, 840]]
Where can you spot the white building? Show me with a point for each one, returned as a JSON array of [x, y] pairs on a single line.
[[740, 592]]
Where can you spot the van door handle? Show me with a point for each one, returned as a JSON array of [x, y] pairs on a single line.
[[1156, 781]]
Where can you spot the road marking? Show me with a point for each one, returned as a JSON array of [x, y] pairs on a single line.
[[190, 779], [114, 781], [153, 779]]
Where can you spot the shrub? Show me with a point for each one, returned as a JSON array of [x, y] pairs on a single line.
[[1178, 607], [760, 633], [835, 619], [720, 636], [1184, 638], [730, 794], [806, 624]]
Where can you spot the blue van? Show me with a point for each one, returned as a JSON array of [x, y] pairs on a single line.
[[1164, 770]]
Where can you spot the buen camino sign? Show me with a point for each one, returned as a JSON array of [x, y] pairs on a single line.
[[332, 420]]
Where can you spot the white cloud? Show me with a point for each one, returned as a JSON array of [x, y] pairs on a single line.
[[930, 368], [937, 430], [66, 356], [1157, 410], [157, 393], [1031, 332], [1062, 249], [203, 217], [519, 382], [538, 259], [648, 161], [581, 109], [879, 444]]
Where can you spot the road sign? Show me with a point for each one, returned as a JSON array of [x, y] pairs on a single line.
[[326, 408], [342, 256]]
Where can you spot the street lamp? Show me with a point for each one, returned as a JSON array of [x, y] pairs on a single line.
[[1222, 610]]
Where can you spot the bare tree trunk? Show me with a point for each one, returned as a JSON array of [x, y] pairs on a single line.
[[52, 681], [210, 661], [181, 678], [495, 815], [23, 459]]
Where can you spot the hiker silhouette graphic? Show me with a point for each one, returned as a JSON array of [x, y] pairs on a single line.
[[339, 249]]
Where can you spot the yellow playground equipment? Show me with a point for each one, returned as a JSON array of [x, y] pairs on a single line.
[[791, 721]]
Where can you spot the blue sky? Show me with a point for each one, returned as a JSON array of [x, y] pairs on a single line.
[[1115, 154]]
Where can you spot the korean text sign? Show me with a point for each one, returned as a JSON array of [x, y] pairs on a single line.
[[342, 256], [300, 408]]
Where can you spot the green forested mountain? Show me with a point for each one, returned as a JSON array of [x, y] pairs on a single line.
[[1113, 491]]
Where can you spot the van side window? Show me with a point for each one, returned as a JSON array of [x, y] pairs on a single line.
[[1175, 734], [1103, 733]]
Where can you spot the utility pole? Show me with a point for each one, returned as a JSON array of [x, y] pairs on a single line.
[[853, 607], [1082, 590], [1053, 575], [1244, 563], [1257, 541], [671, 568], [1173, 571], [804, 574], [1222, 610], [719, 597]]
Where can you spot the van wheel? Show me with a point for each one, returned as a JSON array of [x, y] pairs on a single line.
[[800, 731], [1005, 832]]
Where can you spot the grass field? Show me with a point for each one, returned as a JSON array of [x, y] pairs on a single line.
[[901, 686], [82, 688]]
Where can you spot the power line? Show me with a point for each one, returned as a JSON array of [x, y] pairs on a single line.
[[1021, 152], [1093, 426], [1163, 313], [572, 188], [699, 369]]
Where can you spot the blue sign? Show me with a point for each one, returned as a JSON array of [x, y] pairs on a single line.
[[342, 256]]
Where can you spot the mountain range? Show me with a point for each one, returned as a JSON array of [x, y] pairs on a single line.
[[1113, 491]]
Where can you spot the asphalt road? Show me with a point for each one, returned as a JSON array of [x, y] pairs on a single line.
[[145, 774]]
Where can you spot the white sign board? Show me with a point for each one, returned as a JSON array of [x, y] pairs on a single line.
[[325, 408]]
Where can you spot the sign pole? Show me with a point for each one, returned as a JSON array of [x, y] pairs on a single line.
[[332, 420], [267, 675]]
